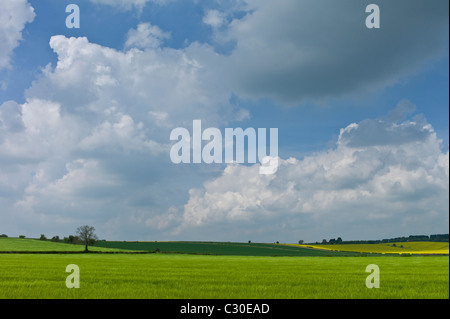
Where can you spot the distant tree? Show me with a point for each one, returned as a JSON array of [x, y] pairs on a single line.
[[43, 237], [55, 239], [21, 236], [300, 242], [332, 241], [324, 241], [339, 240], [4, 235], [249, 241], [87, 235], [71, 239]]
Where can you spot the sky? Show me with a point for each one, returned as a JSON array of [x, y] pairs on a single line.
[[362, 115]]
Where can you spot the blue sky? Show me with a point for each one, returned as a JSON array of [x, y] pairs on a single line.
[[362, 115]]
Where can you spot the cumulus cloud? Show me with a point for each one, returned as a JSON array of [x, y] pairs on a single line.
[[388, 131], [177, 82], [103, 155], [364, 186], [296, 50], [14, 14], [214, 18], [90, 143], [129, 4], [146, 36]]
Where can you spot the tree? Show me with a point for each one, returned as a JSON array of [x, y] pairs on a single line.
[[86, 234], [300, 242], [43, 237]]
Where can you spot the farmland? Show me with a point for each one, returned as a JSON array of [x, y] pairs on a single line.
[[193, 270], [174, 276], [34, 245], [217, 248], [422, 248]]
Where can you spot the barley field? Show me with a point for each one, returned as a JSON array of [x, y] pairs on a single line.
[[159, 276], [190, 270]]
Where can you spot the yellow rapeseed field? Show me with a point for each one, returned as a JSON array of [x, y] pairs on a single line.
[[424, 248]]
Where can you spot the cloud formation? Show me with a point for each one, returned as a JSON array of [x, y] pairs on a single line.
[[91, 142], [146, 36], [129, 4], [297, 50], [382, 177], [14, 15], [104, 152]]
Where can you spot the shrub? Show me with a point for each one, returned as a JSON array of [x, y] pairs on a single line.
[[71, 239], [4, 235], [55, 239]]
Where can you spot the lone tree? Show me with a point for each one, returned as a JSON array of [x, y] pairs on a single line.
[[86, 234]]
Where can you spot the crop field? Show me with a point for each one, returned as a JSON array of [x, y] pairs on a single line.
[[217, 248], [423, 248], [213, 271], [161, 276]]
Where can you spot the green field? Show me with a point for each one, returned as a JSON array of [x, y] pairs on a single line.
[[190, 270], [163, 276], [422, 248], [217, 248], [35, 245], [204, 248]]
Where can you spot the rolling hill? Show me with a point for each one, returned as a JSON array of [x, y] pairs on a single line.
[[422, 248]]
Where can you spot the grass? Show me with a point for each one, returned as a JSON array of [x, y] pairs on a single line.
[[243, 271], [423, 248], [35, 245], [217, 248], [161, 276]]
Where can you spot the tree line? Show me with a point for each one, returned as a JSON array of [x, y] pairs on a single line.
[[432, 238], [84, 235]]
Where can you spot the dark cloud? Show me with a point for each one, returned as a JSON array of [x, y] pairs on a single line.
[[293, 50]]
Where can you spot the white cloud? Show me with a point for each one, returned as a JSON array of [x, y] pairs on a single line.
[[91, 140], [14, 14], [129, 4], [89, 143], [214, 18], [36, 131], [146, 36], [354, 190], [121, 136], [180, 83]]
